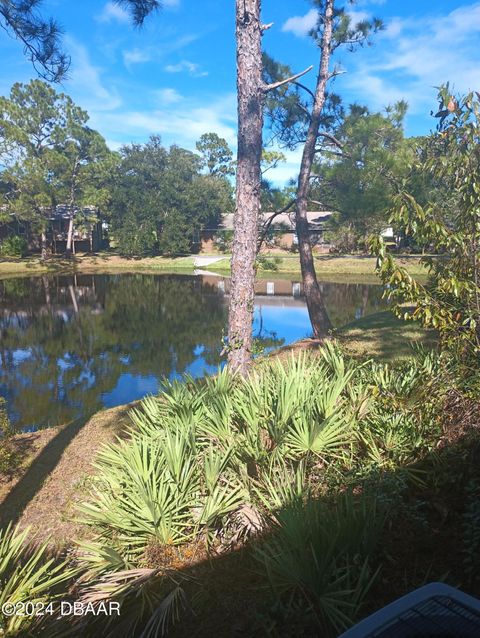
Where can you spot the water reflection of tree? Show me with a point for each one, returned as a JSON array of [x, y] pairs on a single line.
[[63, 347], [265, 340], [65, 341], [343, 301]]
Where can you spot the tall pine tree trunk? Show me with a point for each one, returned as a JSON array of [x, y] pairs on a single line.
[[316, 307], [43, 245], [250, 89], [68, 249], [71, 220]]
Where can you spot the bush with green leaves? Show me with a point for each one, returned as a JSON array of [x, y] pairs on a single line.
[[319, 558], [448, 226], [224, 459], [202, 450], [402, 422], [14, 246], [135, 239], [266, 262], [9, 457]]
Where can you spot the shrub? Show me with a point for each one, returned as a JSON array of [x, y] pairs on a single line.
[[14, 246], [177, 234], [135, 239], [449, 302], [318, 558], [264, 262], [27, 575], [218, 460]]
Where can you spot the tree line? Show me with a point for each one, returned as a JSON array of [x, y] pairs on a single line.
[[352, 161], [154, 199]]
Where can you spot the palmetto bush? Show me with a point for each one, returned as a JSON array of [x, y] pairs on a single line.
[[215, 460], [202, 450], [28, 576], [318, 559], [402, 421]]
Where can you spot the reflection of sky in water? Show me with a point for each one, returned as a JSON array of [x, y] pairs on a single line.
[[130, 388], [289, 324], [21, 355], [59, 366]]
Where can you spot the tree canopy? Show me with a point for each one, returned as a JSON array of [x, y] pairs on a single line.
[[161, 199], [155, 199]]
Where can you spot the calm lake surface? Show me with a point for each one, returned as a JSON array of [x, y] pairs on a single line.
[[72, 345]]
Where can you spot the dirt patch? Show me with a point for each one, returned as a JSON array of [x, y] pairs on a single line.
[[45, 491]]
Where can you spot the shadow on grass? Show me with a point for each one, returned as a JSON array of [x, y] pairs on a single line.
[[422, 542], [31, 482], [383, 336]]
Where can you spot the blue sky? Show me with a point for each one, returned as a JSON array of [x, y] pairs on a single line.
[[176, 76]]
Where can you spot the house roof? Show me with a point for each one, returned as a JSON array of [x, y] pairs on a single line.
[[284, 221], [62, 211]]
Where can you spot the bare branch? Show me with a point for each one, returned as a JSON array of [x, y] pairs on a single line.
[[275, 85], [268, 223], [305, 88], [334, 74], [327, 207], [331, 138]]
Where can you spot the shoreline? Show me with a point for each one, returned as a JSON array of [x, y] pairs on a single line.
[[343, 268], [57, 462]]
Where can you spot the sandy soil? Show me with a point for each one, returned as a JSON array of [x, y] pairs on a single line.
[[55, 475]]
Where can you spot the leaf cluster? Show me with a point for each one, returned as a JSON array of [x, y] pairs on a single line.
[[450, 302]]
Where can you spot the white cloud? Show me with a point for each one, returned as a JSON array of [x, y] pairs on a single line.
[[186, 65], [358, 16], [301, 25], [114, 145], [86, 83], [136, 56], [418, 55], [378, 92], [168, 96], [394, 28], [180, 122], [373, 2], [285, 170], [113, 13]]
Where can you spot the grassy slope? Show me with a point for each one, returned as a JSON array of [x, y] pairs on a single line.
[[326, 265], [54, 471], [384, 337]]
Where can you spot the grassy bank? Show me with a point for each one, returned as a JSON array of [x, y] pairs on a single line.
[[89, 264], [384, 337], [52, 470], [341, 268]]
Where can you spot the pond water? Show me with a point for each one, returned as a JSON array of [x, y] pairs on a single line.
[[72, 345]]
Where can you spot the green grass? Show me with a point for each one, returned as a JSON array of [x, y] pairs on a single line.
[[340, 268], [101, 263], [384, 337]]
